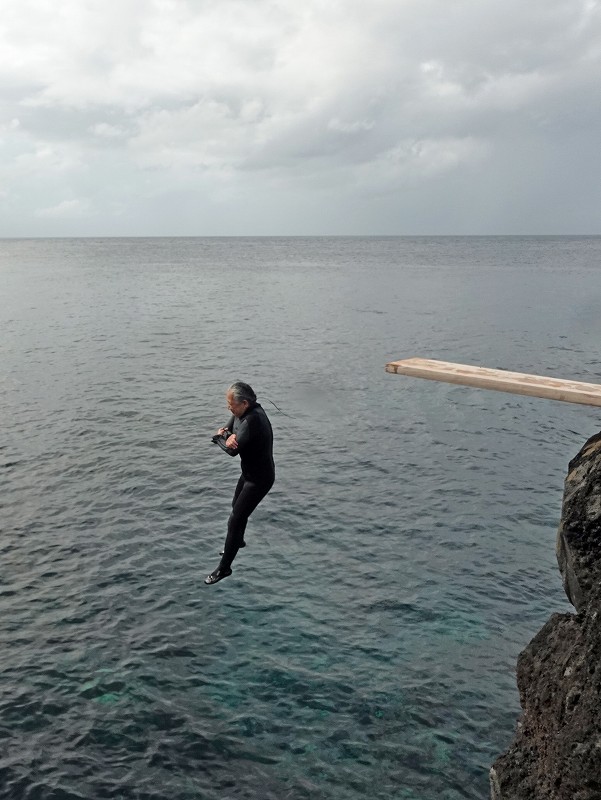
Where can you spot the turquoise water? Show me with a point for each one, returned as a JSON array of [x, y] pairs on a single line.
[[366, 642]]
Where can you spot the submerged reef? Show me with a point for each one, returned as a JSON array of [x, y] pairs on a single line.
[[556, 753]]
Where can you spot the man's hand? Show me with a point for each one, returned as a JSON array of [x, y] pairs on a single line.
[[221, 431], [232, 442]]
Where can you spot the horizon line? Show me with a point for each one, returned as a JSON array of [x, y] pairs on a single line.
[[307, 236]]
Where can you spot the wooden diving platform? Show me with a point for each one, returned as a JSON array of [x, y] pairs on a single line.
[[500, 380]]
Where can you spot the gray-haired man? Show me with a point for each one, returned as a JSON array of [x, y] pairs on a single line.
[[251, 437]]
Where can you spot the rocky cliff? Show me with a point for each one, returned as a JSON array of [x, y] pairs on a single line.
[[556, 753]]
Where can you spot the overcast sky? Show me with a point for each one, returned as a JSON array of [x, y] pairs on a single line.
[[259, 117]]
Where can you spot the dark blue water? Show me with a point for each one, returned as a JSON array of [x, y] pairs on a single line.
[[365, 645]]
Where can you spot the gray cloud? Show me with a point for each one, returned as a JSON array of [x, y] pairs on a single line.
[[187, 117]]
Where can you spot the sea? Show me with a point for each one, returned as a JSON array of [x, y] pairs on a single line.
[[365, 645]]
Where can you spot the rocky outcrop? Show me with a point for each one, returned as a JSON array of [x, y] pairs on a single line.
[[556, 753], [579, 535]]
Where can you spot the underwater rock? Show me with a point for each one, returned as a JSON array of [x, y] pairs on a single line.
[[556, 753]]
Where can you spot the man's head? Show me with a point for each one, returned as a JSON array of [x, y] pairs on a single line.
[[240, 397]]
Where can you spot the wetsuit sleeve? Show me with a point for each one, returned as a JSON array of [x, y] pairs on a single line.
[[230, 428], [244, 435]]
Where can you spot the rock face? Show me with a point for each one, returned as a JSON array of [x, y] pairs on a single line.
[[556, 753], [579, 535]]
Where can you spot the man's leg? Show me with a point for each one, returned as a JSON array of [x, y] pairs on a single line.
[[246, 498], [239, 487]]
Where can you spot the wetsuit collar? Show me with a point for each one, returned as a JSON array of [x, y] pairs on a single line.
[[250, 408]]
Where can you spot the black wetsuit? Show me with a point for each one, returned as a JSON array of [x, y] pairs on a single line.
[[255, 446]]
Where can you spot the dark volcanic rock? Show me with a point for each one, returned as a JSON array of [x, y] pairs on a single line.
[[579, 534], [556, 754]]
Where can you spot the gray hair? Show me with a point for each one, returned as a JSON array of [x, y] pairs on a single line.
[[242, 391]]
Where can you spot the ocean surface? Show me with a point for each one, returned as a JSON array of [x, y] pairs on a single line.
[[366, 643]]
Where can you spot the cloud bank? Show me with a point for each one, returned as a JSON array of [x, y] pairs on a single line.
[[189, 117]]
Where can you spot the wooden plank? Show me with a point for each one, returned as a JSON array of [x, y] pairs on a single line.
[[500, 380]]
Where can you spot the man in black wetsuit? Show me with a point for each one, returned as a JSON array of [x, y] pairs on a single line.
[[251, 437]]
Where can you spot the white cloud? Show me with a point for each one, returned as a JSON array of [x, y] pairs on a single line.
[[66, 209], [44, 159], [9, 126], [354, 95], [412, 162], [356, 126], [106, 131]]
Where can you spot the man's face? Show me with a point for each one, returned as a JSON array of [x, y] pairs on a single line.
[[236, 407]]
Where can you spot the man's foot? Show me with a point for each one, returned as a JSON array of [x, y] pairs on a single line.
[[221, 552], [217, 575]]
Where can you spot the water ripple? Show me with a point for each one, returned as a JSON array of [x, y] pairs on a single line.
[[366, 642]]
